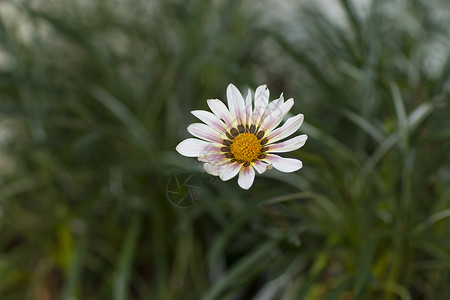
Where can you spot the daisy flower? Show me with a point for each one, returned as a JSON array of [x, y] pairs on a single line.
[[242, 138]]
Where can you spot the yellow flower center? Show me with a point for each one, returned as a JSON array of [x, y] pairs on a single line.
[[246, 147]]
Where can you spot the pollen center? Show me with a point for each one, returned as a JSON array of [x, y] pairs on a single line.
[[246, 147]]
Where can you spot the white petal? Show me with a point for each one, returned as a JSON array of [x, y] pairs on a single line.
[[230, 170], [276, 116], [261, 167], [236, 104], [212, 169], [281, 99], [214, 158], [288, 128], [214, 162], [272, 109], [289, 145], [221, 111], [248, 108], [261, 102], [194, 147], [205, 132], [246, 177], [211, 120], [283, 164]]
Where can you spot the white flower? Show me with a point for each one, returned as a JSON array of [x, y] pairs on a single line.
[[239, 139]]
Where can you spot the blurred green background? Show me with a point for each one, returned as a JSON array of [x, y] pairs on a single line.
[[95, 95]]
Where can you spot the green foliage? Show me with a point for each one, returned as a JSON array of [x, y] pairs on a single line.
[[95, 95]]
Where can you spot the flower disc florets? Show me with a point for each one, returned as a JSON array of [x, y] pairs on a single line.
[[246, 147]]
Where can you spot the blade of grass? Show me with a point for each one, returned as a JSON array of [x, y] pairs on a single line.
[[73, 34], [123, 114], [336, 292], [304, 60], [401, 117], [74, 271], [22, 185], [244, 265], [431, 220], [232, 227], [397, 289], [363, 265], [363, 124], [414, 120], [353, 17], [125, 261]]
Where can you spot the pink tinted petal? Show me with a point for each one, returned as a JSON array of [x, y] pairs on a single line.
[[236, 104], [194, 147], [289, 145], [214, 158], [221, 111], [261, 102], [272, 107], [277, 115], [283, 164], [212, 169], [230, 170], [214, 162], [248, 108], [271, 110], [213, 166], [246, 177], [260, 166], [211, 120], [205, 132], [288, 128]]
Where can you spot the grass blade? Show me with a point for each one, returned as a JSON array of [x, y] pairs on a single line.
[[244, 265], [125, 261]]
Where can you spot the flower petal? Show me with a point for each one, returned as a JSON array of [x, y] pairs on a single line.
[[248, 108], [221, 111], [288, 128], [246, 177], [236, 104], [276, 116], [212, 169], [261, 102], [289, 145], [214, 162], [271, 109], [211, 120], [261, 166], [205, 132], [194, 147], [283, 164], [215, 158], [230, 170]]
